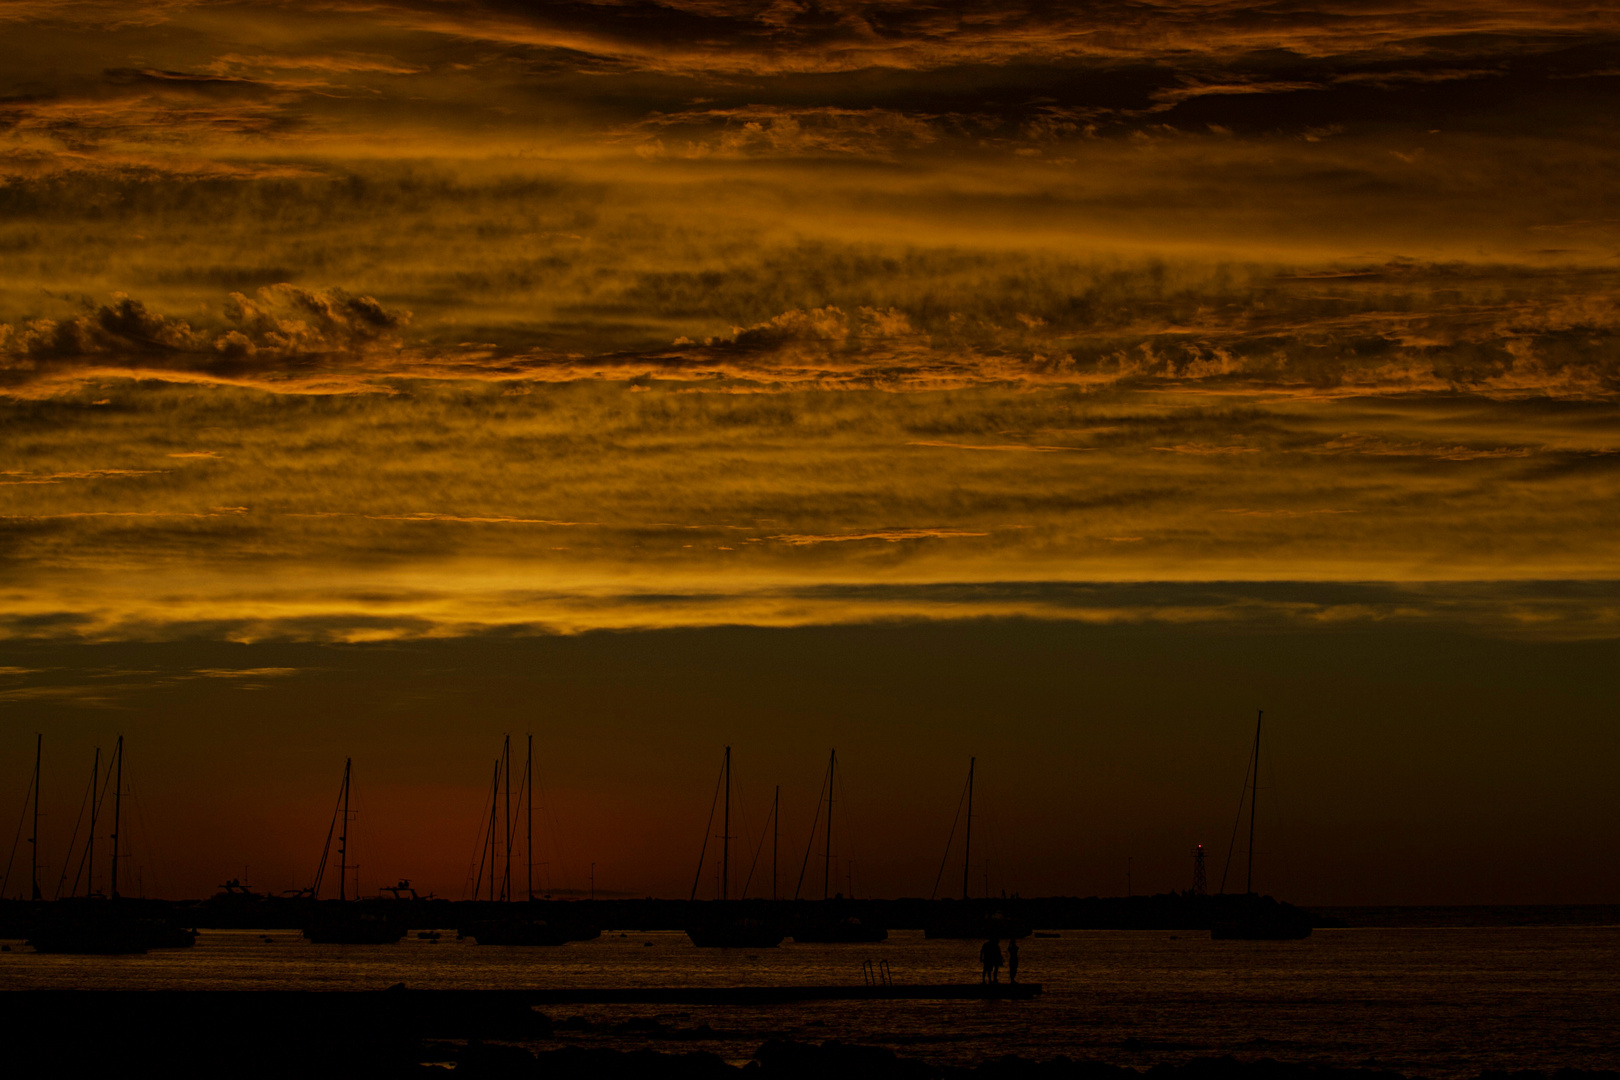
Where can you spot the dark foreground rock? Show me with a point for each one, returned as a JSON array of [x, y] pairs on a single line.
[[481, 1034], [785, 1060]]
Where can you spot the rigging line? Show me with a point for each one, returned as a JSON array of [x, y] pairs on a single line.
[[472, 858], [1236, 821], [22, 817], [488, 835], [480, 849], [89, 795], [95, 814], [548, 808], [810, 844], [759, 847], [739, 811], [506, 851], [703, 853], [991, 829], [159, 866], [738, 814], [548, 804], [1278, 855], [331, 830], [849, 831], [943, 859], [517, 814]]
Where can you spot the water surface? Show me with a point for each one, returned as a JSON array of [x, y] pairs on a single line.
[[1446, 1002]]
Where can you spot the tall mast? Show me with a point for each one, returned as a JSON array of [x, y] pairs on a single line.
[[90, 845], [118, 814], [494, 814], [1254, 799], [967, 846], [506, 880], [725, 833], [528, 843], [343, 837], [33, 841], [776, 835], [826, 862]]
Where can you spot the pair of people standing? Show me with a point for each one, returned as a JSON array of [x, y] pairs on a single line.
[[990, 957]]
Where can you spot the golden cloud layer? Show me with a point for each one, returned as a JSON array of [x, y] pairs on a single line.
[[451, 506], [392, 319]]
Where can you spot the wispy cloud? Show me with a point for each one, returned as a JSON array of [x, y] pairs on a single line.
[[1014, 447], [891, 536], [243, 673]]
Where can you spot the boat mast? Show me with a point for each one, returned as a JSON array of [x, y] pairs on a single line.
[[725, 833], [703, 852], [528, 843], [494, 813], [1254, 799], [90, 844], [33, 841], [967, 845], [506, 757], [776, 836], [343, 837], [826, 862], [118, 814]]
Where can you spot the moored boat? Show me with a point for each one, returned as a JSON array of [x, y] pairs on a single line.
[[1257, 918], [722, 930], [104, 928], [728, 924], [830, 927]]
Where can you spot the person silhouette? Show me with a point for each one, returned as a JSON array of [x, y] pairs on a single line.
[[1012, 959], [990, 957]]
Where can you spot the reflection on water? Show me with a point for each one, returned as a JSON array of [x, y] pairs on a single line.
[[1448, 1002]]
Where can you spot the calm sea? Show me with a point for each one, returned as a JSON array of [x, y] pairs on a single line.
[[1435, 1002]]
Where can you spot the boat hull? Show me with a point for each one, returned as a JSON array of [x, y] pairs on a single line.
[[740, 935], [976, 929], [527, 933], [105, 930], [1259, 932], [837, 931], [360, 928]]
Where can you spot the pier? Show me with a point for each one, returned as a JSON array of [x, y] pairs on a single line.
[[779, 995]]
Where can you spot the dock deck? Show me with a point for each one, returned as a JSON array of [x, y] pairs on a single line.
[[779, 995]]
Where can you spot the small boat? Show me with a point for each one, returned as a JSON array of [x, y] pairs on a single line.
[[1261, 929], [344, 921], [725, 930], [1257, 918], [830, 920], [522, 930], [727, 924], [104, 928], [976, 926], [334, 922], [830, 927], [975, 920], [503, 921], [102, 925]]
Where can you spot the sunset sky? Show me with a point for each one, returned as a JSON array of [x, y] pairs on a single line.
[[1052, 383]]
